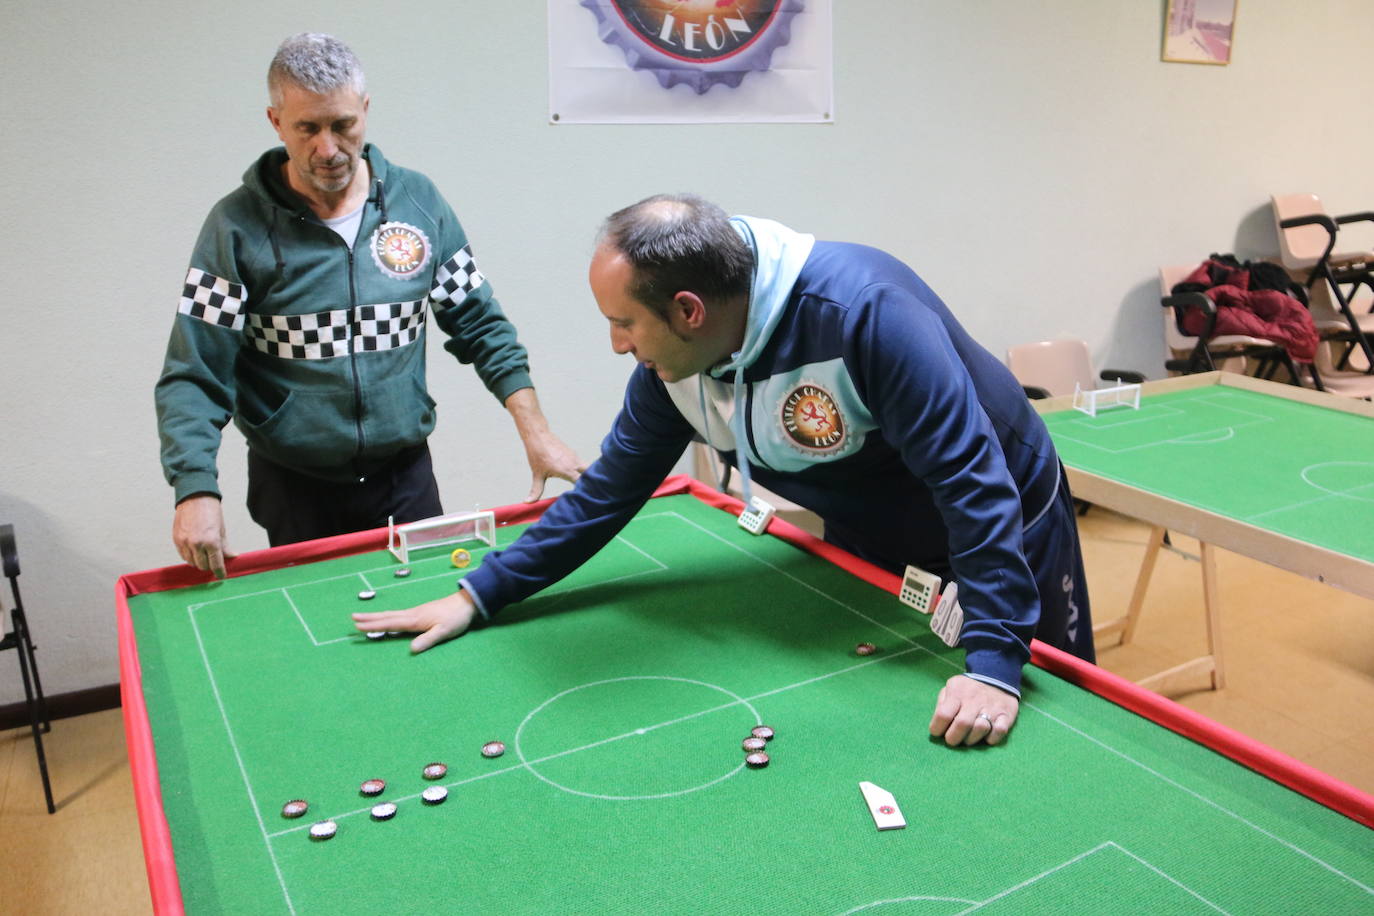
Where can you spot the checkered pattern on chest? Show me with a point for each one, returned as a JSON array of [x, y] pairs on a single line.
[[323, 335]]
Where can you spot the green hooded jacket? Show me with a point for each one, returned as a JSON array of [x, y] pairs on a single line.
[[316, 351]]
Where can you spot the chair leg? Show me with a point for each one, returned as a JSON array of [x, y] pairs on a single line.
[[1316, 376], [1287, 362], [1361, 340], [1344, 361], [27, 661], [1201, 359], [1343, 303], [33, 656]]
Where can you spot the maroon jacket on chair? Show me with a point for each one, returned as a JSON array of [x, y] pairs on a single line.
[[1263, 313]]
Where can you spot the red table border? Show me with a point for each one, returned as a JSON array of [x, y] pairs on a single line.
[[157, 842]]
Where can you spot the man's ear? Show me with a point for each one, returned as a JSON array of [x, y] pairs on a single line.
[[689, 309]]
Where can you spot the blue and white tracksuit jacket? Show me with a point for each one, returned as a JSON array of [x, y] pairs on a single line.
[[857, 395]]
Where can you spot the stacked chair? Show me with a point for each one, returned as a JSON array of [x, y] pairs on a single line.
[[1307, 249]]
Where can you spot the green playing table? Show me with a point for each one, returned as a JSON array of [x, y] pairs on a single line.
[[622, 695], [1275, 472]]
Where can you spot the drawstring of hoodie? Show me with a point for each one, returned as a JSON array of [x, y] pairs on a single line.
[[741, 436], [276, 245], [380, 198], [737, 427], [738, 361], [737, 394]]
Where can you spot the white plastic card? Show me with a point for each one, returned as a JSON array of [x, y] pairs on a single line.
[[883, 807], [919, 589], [948, 619], [756, 516]]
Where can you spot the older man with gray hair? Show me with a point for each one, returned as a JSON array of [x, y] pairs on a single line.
[[302, 319]]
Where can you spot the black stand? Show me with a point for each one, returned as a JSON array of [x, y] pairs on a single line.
[[20, 639]]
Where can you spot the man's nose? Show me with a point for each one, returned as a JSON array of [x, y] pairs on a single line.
[[326, 146]]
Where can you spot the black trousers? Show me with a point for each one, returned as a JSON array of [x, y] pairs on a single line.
[[296, 507]]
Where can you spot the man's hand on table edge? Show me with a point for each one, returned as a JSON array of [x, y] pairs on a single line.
[[969, 711]]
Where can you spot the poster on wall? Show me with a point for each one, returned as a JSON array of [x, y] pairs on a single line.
[[690, 61], [1199, 31]]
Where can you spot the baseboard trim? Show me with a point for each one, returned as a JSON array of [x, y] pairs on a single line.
[[63, 705]]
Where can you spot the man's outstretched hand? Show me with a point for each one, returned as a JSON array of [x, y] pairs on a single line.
[[435, 621]]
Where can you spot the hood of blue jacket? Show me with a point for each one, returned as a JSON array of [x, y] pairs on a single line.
[[779, 254]]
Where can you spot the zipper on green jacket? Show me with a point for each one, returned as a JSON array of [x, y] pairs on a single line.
[[353, 364]]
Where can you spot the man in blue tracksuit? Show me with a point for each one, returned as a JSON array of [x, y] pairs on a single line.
[[831, 374]]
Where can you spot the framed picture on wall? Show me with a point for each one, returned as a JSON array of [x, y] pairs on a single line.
[[1199, 31]]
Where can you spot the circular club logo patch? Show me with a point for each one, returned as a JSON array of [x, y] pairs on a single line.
[[697, 42], [812, 420], [399, 249]]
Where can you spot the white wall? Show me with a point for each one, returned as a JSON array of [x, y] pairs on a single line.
[[1035, 162]]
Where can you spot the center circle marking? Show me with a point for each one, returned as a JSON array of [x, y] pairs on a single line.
[[532, 768], [1339, 487]]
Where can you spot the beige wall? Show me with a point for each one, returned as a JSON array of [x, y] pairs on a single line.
[[1034, 161]]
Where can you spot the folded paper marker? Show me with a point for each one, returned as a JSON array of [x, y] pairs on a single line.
[[883, 807]]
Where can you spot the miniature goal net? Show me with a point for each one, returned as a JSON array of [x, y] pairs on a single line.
[[1093, 400], [458, 528]]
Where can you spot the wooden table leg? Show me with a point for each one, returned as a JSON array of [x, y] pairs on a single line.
[[1209, 664], [1211, 598], [1126, 625]]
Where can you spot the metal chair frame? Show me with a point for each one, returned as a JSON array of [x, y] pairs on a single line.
[[20, 639], [1337, 276]]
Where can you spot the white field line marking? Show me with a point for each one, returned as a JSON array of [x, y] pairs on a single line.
[[1029, 881], [737, 700], [243, 770], [1225, 434], [1202, 798], [1215, 401], [1167, 877], [285, 589], [1229, 429], [979, 904], [286, 593], [1306, 503], [857, 613], [553, 601], [746, 701]]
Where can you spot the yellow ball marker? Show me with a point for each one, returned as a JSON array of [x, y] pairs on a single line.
[[461, 558]]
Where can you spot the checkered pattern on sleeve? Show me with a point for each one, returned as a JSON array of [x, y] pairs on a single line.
[[324, 335], [213, 300], [455, 278]]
